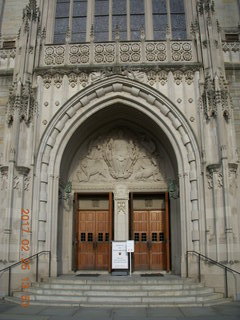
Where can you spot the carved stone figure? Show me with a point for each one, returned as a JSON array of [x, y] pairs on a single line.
[[120, 156]]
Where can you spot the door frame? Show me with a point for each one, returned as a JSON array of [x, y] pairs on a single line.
[[75, 226], [167, 223]]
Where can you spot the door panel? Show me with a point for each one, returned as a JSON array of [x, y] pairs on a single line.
[[86, 231], [94, 233], [149, 230]]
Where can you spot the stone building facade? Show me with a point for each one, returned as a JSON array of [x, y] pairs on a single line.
[[120, 120]]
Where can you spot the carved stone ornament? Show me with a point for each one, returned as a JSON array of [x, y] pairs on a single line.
[[121, 207], [21, 97], [121, 155], [31, 11], [214, 176], [206, 6], [4, 178], [216, 98]]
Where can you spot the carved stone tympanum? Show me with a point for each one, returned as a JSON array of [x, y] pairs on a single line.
[[120, 155]]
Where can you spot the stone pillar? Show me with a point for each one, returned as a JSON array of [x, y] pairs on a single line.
[[121, 213]]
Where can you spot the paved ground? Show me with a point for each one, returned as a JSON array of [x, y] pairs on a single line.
[[10, 311]]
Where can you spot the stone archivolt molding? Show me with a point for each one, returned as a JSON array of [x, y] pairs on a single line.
[[145, 75], [160, 108], [119, 52]]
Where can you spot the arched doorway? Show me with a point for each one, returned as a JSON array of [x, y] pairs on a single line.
[[146, 108]]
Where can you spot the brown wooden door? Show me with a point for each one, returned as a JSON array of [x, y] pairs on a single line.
[[94, 233], [150, 232]]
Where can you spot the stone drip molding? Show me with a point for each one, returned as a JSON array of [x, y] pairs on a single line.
[[84, 104]]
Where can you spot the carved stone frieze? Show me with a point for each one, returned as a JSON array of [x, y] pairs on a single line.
[[231, 46], [130, 52], [117, 52], [181, 51], [105, 53], [156, 52], [7, 53], [79, 54], [121, 155], [54, 55]]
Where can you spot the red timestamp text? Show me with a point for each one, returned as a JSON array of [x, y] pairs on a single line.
[[25, 249]]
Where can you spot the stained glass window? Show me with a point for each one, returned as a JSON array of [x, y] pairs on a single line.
[[137, 20], [119, 18], [160, 19], [79, 21], [178, 19], [101, 20], [61, 20], [129, 16]]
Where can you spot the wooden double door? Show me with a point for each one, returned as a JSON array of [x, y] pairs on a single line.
[[150, 232], [148, 227], [93, 232]]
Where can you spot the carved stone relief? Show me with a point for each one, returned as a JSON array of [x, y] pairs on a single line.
[[121, 207], [121, 155]]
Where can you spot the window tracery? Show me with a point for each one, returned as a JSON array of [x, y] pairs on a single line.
[[127, 18]]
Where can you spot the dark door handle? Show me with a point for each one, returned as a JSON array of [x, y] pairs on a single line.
[[149, 244]]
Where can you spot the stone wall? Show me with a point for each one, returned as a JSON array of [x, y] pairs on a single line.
[[12, 18], [227, 13], [5, 82]]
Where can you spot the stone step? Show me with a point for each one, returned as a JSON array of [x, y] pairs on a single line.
[[117, 292], [122, 280], [122, 299], [120, 292], [118, 286], [122, 305]]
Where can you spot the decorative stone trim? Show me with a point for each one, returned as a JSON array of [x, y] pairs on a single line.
[[7, 53], [118, 52], [231, 46], [141, 74]]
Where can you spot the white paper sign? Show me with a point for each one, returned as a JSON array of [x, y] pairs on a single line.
[[119, 255], [130, 246]]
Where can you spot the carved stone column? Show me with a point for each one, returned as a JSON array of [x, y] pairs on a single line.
[[121, 212]]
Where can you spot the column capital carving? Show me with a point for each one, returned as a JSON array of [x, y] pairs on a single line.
[[23, 170], [121, 192], [3, 169], [233, 167], [213, 167]]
